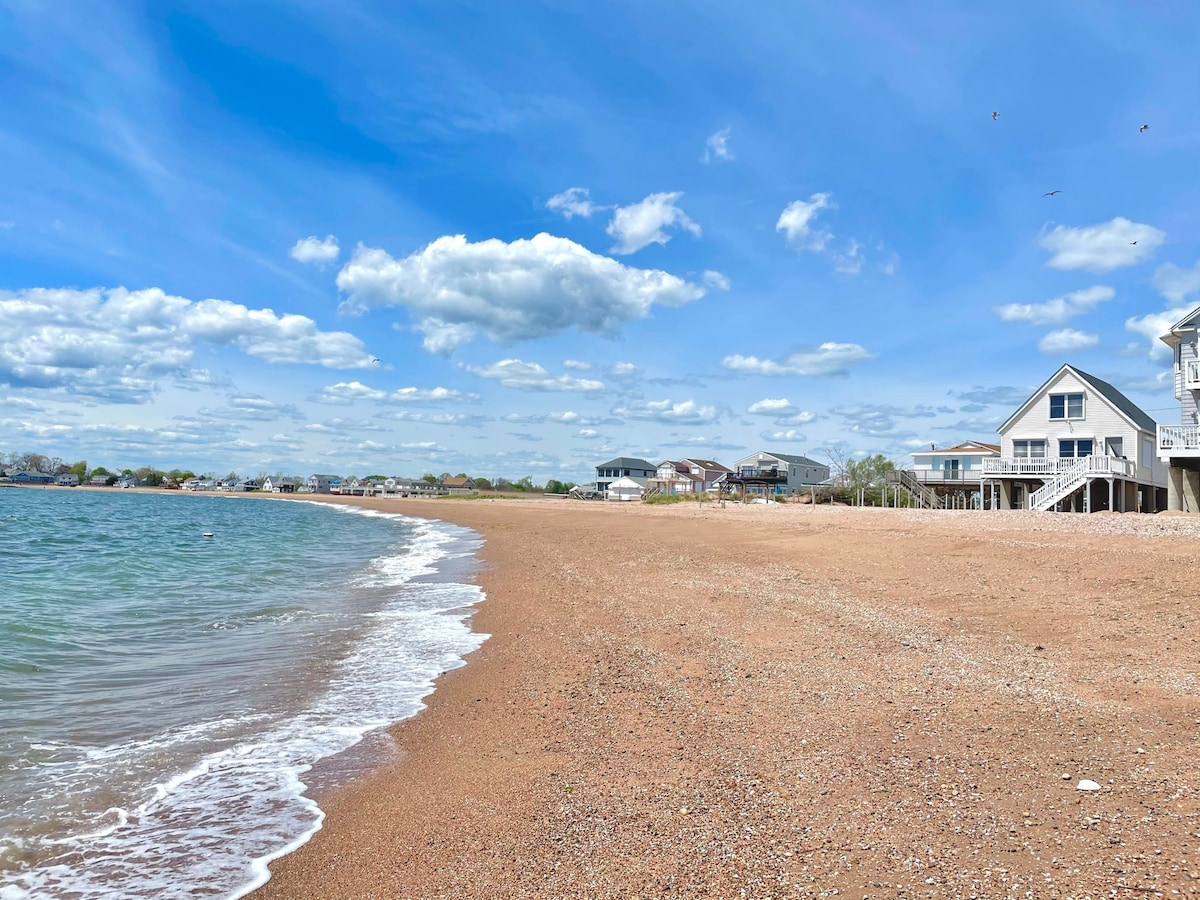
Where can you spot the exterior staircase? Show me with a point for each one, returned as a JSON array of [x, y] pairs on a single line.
[[1064, 483], [925, 496]]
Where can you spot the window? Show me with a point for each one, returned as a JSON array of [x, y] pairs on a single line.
[[1029, 449], [1075, 448], [1066, 406], [1115, 447]]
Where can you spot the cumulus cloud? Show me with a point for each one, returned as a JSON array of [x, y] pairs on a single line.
[[849, 261], [716, 148], [1056, 311], [687, 412], [1103, 247], [1153, 326], [423, 418], [527, 376], [641, 224], [623, 371], [772, 407], [314, 250], [790, 435], [829, 358], [1067, 339], [572, 202], [1177, 284], [715, 280], [578, 365], [509, 292], [796, 222], [116, 343]]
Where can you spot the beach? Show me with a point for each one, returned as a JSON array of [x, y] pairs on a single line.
[[782, 700]]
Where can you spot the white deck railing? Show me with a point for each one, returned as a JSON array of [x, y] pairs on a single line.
[[1051, 466], [1179, 440]]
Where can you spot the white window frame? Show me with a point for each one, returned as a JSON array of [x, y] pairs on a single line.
[[1066, 416]]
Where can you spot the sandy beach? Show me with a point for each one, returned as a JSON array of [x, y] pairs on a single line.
[[786, 701]]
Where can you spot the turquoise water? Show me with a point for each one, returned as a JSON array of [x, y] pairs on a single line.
[[163, 693]]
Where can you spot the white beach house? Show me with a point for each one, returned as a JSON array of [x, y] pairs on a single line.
[[1179, 445], [1077, 444]]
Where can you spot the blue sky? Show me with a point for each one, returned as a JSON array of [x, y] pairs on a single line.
[[521, 239]]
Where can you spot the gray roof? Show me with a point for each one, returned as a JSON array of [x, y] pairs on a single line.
[[627, 462], [706, 463], [1119, 400], [797, 460]]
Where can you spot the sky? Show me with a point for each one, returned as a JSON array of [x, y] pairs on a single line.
[[520, 239]]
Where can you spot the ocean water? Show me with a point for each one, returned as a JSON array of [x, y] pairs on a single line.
[[164, 695]]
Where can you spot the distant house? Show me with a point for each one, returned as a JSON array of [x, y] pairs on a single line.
[[709, 472], [779, 474], [953, 472], [281, 484], [1179, 445], [323, 484], [675, 477], [67, 479], [1077, 444], [623, 467], [459, 484], [27, 477], [626, 487], [99, 480]]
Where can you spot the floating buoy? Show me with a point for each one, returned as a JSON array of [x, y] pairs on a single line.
[[208, 534]]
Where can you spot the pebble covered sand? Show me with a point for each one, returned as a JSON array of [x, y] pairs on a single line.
[[788, 701]]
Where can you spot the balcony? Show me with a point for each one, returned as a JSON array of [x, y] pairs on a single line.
[[1048, 466], [757, 475], [946, 476], [1179, 440], [1191, 375]]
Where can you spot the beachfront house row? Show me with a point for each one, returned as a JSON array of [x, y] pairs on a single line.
[[780, 474], [1179, 445], [1076, 444], [623, 467]]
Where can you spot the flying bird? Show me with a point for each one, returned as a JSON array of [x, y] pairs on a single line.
[[375, 359], [1051, 193], [995, 116], [1131, 243], [1144, 128]]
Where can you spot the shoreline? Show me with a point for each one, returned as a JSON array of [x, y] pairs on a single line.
[[759, 700]]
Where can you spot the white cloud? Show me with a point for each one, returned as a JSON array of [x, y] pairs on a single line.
[[797, 219], [715, 280], [772, 407], [525, 376], [1103, 247], [791, 435], [716, 148], [1056, 311], [508, 291], [1177, 284], [623, 371], [587, 434], [348, 391], [640, 224], [1153, 326], [687, 412], [116, 343], [578, 365], [1067, 339], [314, 250], [574, 201], [470, 421], [849, 262], [828, 359]]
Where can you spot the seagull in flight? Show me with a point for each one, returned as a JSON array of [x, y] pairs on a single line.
[[1132, 243], [1144, 128], [1052, 193], [995, 115], [375, 359]]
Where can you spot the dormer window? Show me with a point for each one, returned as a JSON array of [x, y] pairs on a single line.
[[1066, 406]]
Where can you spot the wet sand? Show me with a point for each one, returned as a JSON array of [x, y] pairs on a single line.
[[771, 701]]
